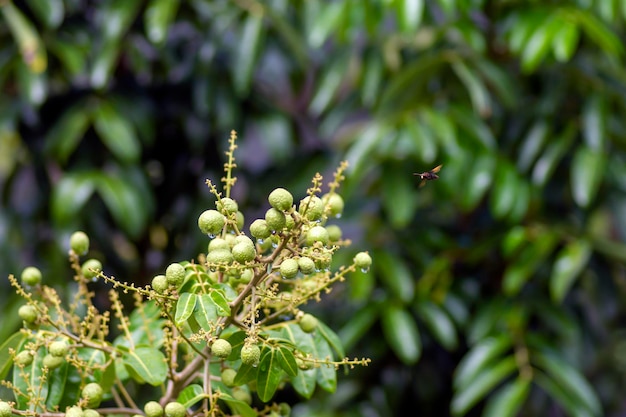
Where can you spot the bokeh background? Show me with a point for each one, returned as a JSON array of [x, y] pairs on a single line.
[[498, 290]]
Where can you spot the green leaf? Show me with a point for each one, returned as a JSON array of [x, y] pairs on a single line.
[[116, 132], [192, 394], [401, 333], [205, 312], [328, 86], [30, 44], [538, 44], [529, 259], [395, 275], [184, 307], [565, 40], [147, 363], [594, 121], [399, 197], [480, 357], [50, 12], [103, 63], [439, 323], [596, 30], [586, 175], [58, 385], [247, 53], [557, 393], [473, 126], [358, 326], [31, 376], [220, 301], [269, 375], [245, 374], [158, 17], [467, 396], [570, 261], [287, 361], [326, 22], [509, 399], [505, 189], [532, 144], [67, 132], [124, 203], [478, 180], [237, 406], [326, 374], [331, 337], [409, 14], [304, 383], [6, 361], [70, 195], [475, 87], [570, 380]]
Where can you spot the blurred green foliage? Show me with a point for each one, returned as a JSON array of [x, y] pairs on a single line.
[[498, 290]]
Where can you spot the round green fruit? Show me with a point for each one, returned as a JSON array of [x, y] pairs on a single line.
[[52, 362], [242, 395], [312, 207], [218, 243], [159, 283], [334, 232], [175, 274], [92, 392], [74, 411], [91, 413], [289, 268], [91, 268], [228, 377], [275, 219], [280, 199], [308, 323], [24, 358], [153, 409], [59, 348], [259, 229], [250, 354], [227, 205], [221, 348], [244, 252], [31, 276], [28, 313], [334, 203], [79, 243], [363, 260], [317, 234], [220, 256], [175, 409], [5, 409], [306, 265], [211, 222]]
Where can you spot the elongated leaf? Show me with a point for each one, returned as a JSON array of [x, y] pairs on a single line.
[[185, 307], [396, 275], [124, 203], [466, 397], [116, 132], [147, 363], [59, 386], [479, 358], [569, 262], [478, 180], [565, 40], [30, 44], [67, 132], [158, 17], [238, 407], [399, 198], [269, 375], [571, 381], [30, 376], [221, 304], [508, 400], [439, 323], [532, 144], [538, 44], [402, 334], [50, 12], [205, 313], [248, 51], [505, 190], [326, 373], [6, 361], [246, 374], [192, 394], [529, 259], [409, 13], [475, 87], [70, 194], [586, 174], [304, 383], [558, 394], [358, 325], [287, 361], [326, 22], [594, 120], [331, 338], [328, 86]]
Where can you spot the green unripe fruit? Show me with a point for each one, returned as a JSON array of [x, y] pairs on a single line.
[[250, 355], [244, 252], [284, 409], [308, 323], [275, 219], [52, 362], [79, 243], [220, 256], [221, 348], [259, 229], [240, 220], [59, 348], [175, 409], [153, 409], [334, 204], [24, 358], [31, 276], [312, 208], [363, 260], [74, 412], [92, 392], [227, 205], [175, 274], [218, 243], [289, 268], [228, 377], [306, 265], [91, 268], [242, 395], [211, 222], [28, 313], [290, 223], [280, 199], [159, 283], [5, 409], [303, 365], [243, 239], [323, 261], [91, 413], [334, 232], [317, 234], [246, 276]]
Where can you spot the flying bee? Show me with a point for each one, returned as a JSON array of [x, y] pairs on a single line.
[[428, 175]]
